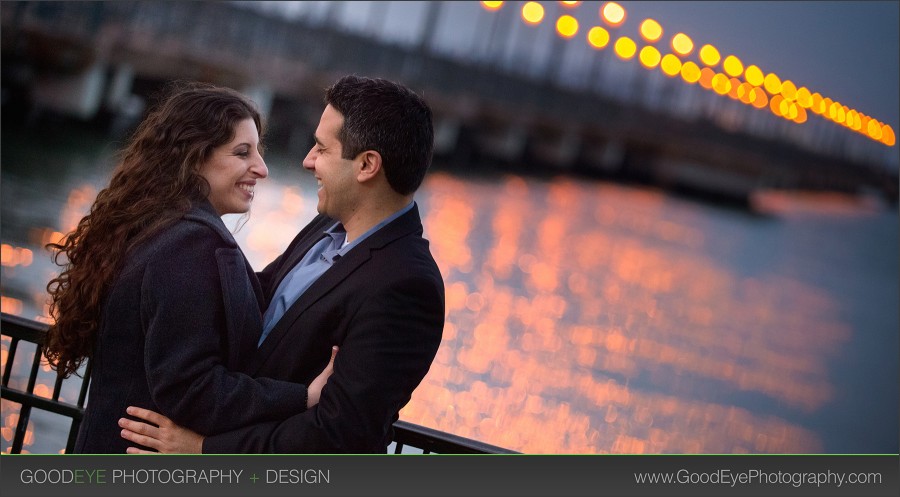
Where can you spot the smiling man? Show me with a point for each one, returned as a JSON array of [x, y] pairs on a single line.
[[359, 275]]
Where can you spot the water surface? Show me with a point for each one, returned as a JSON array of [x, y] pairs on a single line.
[[582, 316]]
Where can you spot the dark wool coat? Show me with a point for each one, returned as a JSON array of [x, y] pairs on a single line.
[[183, 313]]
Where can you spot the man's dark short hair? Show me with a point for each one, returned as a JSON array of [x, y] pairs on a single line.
[[389, 118]]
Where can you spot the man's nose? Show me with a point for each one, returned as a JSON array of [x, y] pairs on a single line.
[[309, 162]]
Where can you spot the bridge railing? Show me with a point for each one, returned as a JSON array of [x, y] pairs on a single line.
[[17, 330], [23, 330]]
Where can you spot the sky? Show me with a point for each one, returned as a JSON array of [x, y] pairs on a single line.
[[848, 51]]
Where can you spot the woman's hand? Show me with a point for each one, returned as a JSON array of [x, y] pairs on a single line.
[[315, 388], [166, 437]]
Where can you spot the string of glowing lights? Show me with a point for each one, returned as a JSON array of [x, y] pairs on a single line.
[[746, 84]]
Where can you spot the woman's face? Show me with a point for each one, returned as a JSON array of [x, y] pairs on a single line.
[[233, 168]]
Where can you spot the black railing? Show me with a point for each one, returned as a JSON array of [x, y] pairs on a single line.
[[438, 442], [18, 329]]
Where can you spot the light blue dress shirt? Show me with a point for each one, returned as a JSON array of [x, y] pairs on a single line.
[[324, 254]]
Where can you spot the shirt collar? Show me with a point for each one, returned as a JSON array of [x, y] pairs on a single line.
[[339, 234]]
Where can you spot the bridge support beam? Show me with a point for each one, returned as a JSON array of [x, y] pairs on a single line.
[[119, 90], [262, 95], [77, 95], [446, 134], [559, 152], [507, 143], [605, 156], [126, 107]]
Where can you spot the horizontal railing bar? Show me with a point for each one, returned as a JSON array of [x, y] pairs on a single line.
[[22, 328], [54, 406], [441, 442], [405, 434]]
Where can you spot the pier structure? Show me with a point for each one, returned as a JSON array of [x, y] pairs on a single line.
[[90, 59]]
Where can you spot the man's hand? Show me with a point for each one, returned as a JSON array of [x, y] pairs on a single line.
[[314, 390], [168, 438]]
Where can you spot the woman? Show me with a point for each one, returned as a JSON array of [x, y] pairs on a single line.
[[156, 291]]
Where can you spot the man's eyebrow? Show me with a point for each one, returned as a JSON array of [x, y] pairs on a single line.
[[316, 138]]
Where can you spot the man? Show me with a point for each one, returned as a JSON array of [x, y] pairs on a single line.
[[359, 275]]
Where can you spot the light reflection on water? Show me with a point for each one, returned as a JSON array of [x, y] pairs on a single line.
[[588, 317]]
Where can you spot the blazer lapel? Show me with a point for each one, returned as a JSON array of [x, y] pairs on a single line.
[[407, 224], [301, 249], [331, 278]]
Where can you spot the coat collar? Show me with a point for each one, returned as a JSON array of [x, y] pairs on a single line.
[[203, 212], [233, 257]]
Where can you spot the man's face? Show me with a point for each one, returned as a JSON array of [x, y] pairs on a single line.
[[336, 177]]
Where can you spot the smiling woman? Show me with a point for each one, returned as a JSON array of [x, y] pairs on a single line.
[[233, 169], [154, 288]]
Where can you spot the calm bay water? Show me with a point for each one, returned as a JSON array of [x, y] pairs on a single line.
[[582, 316]]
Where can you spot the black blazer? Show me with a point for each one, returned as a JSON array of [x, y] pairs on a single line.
[[383, 304], [182, 313]]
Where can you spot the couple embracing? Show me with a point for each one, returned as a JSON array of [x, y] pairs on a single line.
[[206, 355]]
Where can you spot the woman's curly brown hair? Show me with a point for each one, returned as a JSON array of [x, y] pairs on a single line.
[[155, 183]]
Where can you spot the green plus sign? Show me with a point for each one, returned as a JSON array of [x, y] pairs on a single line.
[[254, 477]]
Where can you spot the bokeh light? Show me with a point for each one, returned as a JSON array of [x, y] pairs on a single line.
[[875, 130], [804, 98], [755, 89], [567, 26], [887, 135], [735, 84], [670, 65], [789, 90], [625, 48], [709, 55], [651, 31], [798, 113], [772, 84], [721, 84], [775, 104], [682, 44], [650, 57], [533, 12], [733, 66], [754, 75], [598, 37], [759, 98], [743, 92], [853, 120], [706, 77], [817, 106], [613, 13], [690, 72]]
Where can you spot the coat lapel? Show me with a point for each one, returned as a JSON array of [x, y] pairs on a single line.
[[299, 251], [241, 294], [241, 291]]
